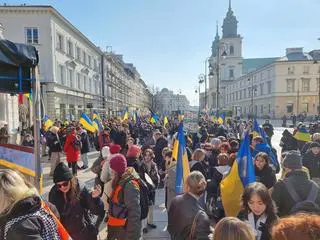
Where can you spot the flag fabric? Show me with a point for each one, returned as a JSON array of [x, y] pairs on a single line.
[[165, 121], [302, 135], [97, 121], [180, 154], [125, 116], [154, 117], [180, 117], [87, 123], [241, 174], [256, 130], [70, 117], [47, 122], [221, 118]]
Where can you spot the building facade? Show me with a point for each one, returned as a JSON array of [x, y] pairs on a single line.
[[263, 87]]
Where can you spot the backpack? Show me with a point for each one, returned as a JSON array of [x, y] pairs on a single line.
[[307, 205], [76, 143]]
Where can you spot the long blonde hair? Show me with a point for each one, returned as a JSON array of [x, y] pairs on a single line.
[[13, 188]]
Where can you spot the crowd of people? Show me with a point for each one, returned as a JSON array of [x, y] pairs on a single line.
[[137, 159]]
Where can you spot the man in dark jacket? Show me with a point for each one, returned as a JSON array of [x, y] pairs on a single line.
[[298, 178], [161, 143], [84, 148], [311, 160]]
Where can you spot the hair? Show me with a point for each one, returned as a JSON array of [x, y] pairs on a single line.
[[148, 150], [234, 144], [198, 155], [225, 145], [264, 156], [316, 137], [262, 191], [54, 129], [223, 159], [73, 194], [231, 228], [130, 139], [258, 139], [168, 153], [13, 188], [165, 150], [297, 227], [196, 183]]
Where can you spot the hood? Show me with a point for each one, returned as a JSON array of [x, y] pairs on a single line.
[[128, 175]]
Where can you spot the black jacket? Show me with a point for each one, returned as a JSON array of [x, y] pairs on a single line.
[[288, 142], [265, 228], [267, 176], [312, 162], [184, 208], [281, 196], [160, 145], [74, 216], [54, 142], [200, 166], [85, 143], [27, 229]]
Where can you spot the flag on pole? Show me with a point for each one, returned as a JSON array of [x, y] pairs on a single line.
[[241, 174], [180, 154], [97, 121], [86, 122], [47, 122], [165, 121], [154, 117], [125, 116]]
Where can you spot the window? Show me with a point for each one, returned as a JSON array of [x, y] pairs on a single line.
[[291, 70], [70, 48], [89, 60], [255, 90], [90, 85], [269, 73], [305, 107], [290, 85], [60, 42], [84, 57], [61, 74], [240, 93], [269, 87], [231, 73], [289, 108], [85, 83], [244, 93], [32, 35], [231, 50], [70, 78], [78, 53], [305, 85], [261, 89], [79, 81], [306, 70], [237, 95], [95, 64], [261, 109], [249, 92]]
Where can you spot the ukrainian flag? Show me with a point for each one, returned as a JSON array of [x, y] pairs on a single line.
[[180, 154], [302, 135], [47, 122], [97, 121], [241, 174], [87, 123], [165, 121], [221, 118], [256, 130], [154, 117]]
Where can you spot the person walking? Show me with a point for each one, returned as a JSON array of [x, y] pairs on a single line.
[[72, 148], [74, 201], [55, 148], [85, 147]]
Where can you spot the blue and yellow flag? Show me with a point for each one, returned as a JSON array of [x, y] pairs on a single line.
[[221, 118], [165, 121], [29, 96], [125, 116], [180, 154], [97, 121], [302, 135], [87, 123], [241, 174], [154, 117], [47, 122], [256, 130]]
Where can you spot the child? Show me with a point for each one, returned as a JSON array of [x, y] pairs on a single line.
[[258, 210]]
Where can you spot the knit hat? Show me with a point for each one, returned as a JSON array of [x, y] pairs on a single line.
[[115, 148], [315, 144], [105, 152], [118, 163], [62, 173], [292, 160], [133, 151]]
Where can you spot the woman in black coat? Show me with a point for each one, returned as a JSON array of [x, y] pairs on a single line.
[[264, 172], [73, 201], [198, 163]]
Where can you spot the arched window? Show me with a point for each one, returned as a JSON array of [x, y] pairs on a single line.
[[231, 50]]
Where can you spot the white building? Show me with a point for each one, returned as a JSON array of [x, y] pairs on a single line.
[[70, 64]]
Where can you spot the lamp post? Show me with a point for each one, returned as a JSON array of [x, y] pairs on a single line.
[[253, 91], [200, 82]]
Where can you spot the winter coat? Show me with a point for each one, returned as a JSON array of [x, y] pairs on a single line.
[[160, 145], [85, 143], [104, 140], [288, 142], [72, 153], [28, 143], [217, 175], [130, 198], [74, 215], [264, 228], [263, 147], [283, 199], [30, 227], [267, 176], [312, 162], [53, 142], [184, 208], [200, 166]]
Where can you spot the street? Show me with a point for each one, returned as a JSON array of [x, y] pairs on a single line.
[[160, 213]]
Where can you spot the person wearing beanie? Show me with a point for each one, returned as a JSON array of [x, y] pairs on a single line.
[[126, 195], [298, 179], [72, 150], [115, 148], [68, 195], [311, 160]]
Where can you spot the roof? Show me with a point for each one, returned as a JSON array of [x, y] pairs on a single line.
[[253, 64]]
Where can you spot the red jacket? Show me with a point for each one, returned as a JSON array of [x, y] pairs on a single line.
[[72, 154]]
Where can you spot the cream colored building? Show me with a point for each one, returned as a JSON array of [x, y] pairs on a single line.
[[289, 85], [70, 64]]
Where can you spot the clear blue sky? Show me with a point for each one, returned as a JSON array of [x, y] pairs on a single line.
[[168, 40]]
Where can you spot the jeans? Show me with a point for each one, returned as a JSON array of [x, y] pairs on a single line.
[[84, 159]]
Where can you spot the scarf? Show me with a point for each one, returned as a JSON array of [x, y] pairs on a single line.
[[256, 226]]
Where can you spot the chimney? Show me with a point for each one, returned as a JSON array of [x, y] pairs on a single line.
[[1, 31]]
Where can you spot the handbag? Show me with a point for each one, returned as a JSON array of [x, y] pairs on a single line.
[[193, 226]]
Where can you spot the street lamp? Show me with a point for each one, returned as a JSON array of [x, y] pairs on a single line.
[[200, 82], [253, 91]]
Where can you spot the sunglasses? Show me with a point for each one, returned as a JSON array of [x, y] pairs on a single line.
[[64, 184]]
